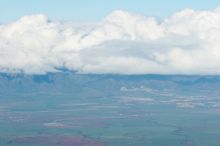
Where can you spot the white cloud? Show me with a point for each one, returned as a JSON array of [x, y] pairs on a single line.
[[188, 42]]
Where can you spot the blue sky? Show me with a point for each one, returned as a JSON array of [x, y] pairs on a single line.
[[93, 10]]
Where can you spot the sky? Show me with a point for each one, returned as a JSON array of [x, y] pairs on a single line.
[[110, 37], [94, 10]]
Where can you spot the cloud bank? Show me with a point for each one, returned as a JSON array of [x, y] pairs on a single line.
[[187, 42]]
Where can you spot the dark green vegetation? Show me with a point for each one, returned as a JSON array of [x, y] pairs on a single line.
[[67, 109]]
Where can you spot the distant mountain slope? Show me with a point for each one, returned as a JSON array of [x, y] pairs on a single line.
[[98, 85]]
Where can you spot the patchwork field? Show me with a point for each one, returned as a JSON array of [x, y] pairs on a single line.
[[126, 114]]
